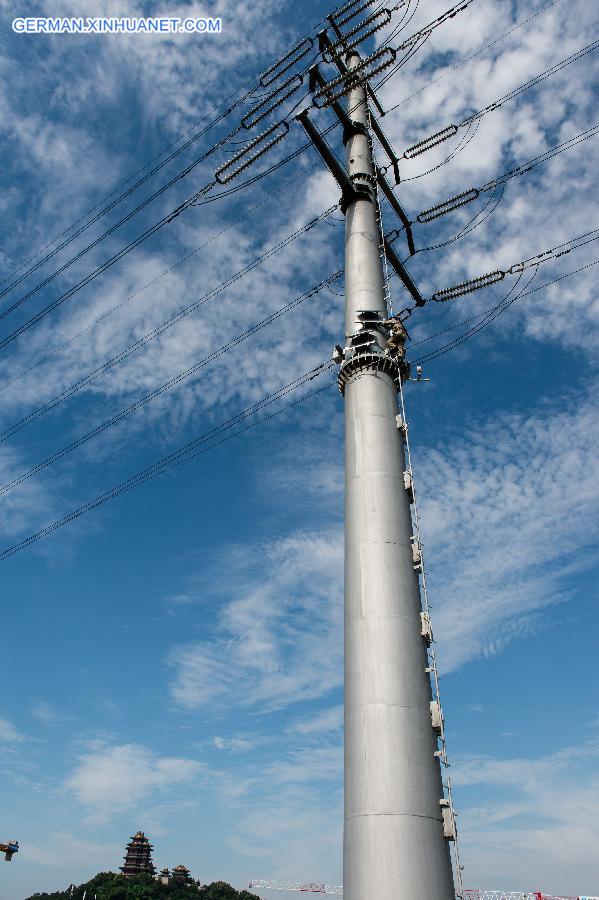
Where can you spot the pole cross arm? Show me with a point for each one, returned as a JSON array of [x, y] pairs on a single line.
[[397, 209], [349, 190], [382, 139], [403, 274]]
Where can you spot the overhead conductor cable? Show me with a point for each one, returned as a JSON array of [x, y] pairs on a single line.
[[272, 101], [482, 281], [459, 200], [451, 130]]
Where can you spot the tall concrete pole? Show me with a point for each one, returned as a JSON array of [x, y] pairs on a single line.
[[394, 844]]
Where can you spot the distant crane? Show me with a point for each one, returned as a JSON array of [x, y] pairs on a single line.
[[299, 887], [9, 849], [310, 888]]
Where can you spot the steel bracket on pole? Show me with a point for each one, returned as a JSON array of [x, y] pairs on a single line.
[[350, 191], [382, 139], [397, 209], [404, 276]]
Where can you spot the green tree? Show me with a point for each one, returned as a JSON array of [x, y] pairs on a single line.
[[110, 886]]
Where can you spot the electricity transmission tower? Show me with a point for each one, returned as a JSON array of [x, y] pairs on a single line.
[[397, 820]]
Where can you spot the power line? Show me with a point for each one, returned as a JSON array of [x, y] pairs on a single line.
[[460, 200], [111, 230], [158, 330], [410, 42], [194, 200], [502, 305], [416, 149], [472, 56], [46, 310], [215, 120], [498, 309], [481, 315], [106, 209], [451, 130], [130, 297], [172, 382], [166, 186], [482, 215], [483, 281], [417, 40], [199, 445]]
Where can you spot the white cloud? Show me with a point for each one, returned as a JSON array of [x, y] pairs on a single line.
[[8, 733], [48, 713], [60, 848], [312, 764], [533, 821], [279, 631], [320, 722], [233, 744], [109, 780], [509, 514], [562, 106], [27, 503], [287, 818]]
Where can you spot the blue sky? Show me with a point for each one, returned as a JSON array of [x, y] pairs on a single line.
[[172, 660]]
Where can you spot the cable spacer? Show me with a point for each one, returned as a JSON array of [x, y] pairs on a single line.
[[372, 362]]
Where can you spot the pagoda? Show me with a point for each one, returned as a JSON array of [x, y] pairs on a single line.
[[138, 858], [181, 873]]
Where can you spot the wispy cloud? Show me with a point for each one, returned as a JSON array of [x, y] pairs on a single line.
[[538, 812], [509, 514], [112, 779], [559, 108], [48, 713], [279, 630], [326, 720], [8, 733], [235, 744]]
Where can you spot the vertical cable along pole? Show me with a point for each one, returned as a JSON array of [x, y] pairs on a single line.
[[394, 842]]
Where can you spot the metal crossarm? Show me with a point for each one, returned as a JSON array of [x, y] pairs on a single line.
[[407, 280], [348, 188], [397, 209]]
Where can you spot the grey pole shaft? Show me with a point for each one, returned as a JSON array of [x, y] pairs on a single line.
[[394, 844]]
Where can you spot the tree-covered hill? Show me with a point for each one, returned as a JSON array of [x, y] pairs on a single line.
[[109, 886]]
